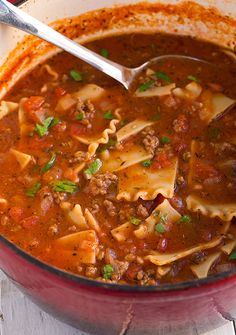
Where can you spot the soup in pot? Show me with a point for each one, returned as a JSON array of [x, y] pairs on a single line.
[[131, 187]]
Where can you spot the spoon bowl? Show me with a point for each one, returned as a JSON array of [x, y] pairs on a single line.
[[13, 16]]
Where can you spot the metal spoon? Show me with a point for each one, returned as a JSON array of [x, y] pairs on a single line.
[[13, 16]]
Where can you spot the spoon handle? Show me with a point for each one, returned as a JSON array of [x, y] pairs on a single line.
[[13, 16]]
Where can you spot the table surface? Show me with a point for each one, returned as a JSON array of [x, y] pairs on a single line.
[[19, 316]]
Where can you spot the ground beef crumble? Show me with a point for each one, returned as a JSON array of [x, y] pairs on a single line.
[[150, 141], [142, 211], [181, 124], [99, 184], [110, 208]]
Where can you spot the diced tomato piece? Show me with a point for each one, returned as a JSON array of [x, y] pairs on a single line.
[[38, 143], [160, 161], [16, 213], [133, 271], [29, 222], [59, 92], [60, 127], [33, 108], [76, 129]]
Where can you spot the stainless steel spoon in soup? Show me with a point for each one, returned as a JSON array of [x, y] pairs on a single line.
[[13, 16]]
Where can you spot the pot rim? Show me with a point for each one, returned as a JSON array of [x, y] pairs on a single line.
[[115, 287]]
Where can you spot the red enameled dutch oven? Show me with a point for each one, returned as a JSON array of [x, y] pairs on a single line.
[[97, 307]]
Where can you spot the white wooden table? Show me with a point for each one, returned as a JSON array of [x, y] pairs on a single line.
[[19, 316]]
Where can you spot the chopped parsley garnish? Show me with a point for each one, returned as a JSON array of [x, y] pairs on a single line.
[[76, 75], [107, 271], [108, 115], [108, 145], [66, 186], [104, 52], [232, 256], [163, 76], [49, 164], [193, 78], [31, 192], [79, 117], [184, 219], [163, 218], [49, 122], [135, 220], [94, 167], [156, 117], [165, 140], [147, 163], [144, 87], [160, 228], [213, 133]]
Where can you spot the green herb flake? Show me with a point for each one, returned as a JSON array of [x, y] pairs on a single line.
[[66, 186], [156, 117], [165, 140], [144, 87], [108, 115], [31, 192], [135, 220], [163, 76], [79, 117], [184, 219], [107, 271], [42, 129], [232, 256], [49, 164], [163, 218], [147, 163], [213, 133], [76, 75], [104, 52], [108, 145], [94, 167], [193, 78], [160, 228]]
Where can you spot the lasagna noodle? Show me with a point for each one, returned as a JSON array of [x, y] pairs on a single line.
[[22, 158], [155, 91], [122, 232], [131, 129], [146, 183], [7, 107], [163, 210], [84, 244], [130, 155], [94, 141], [214, 104], [164, 258], [89, 92], [225, 211], [201, 270]]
